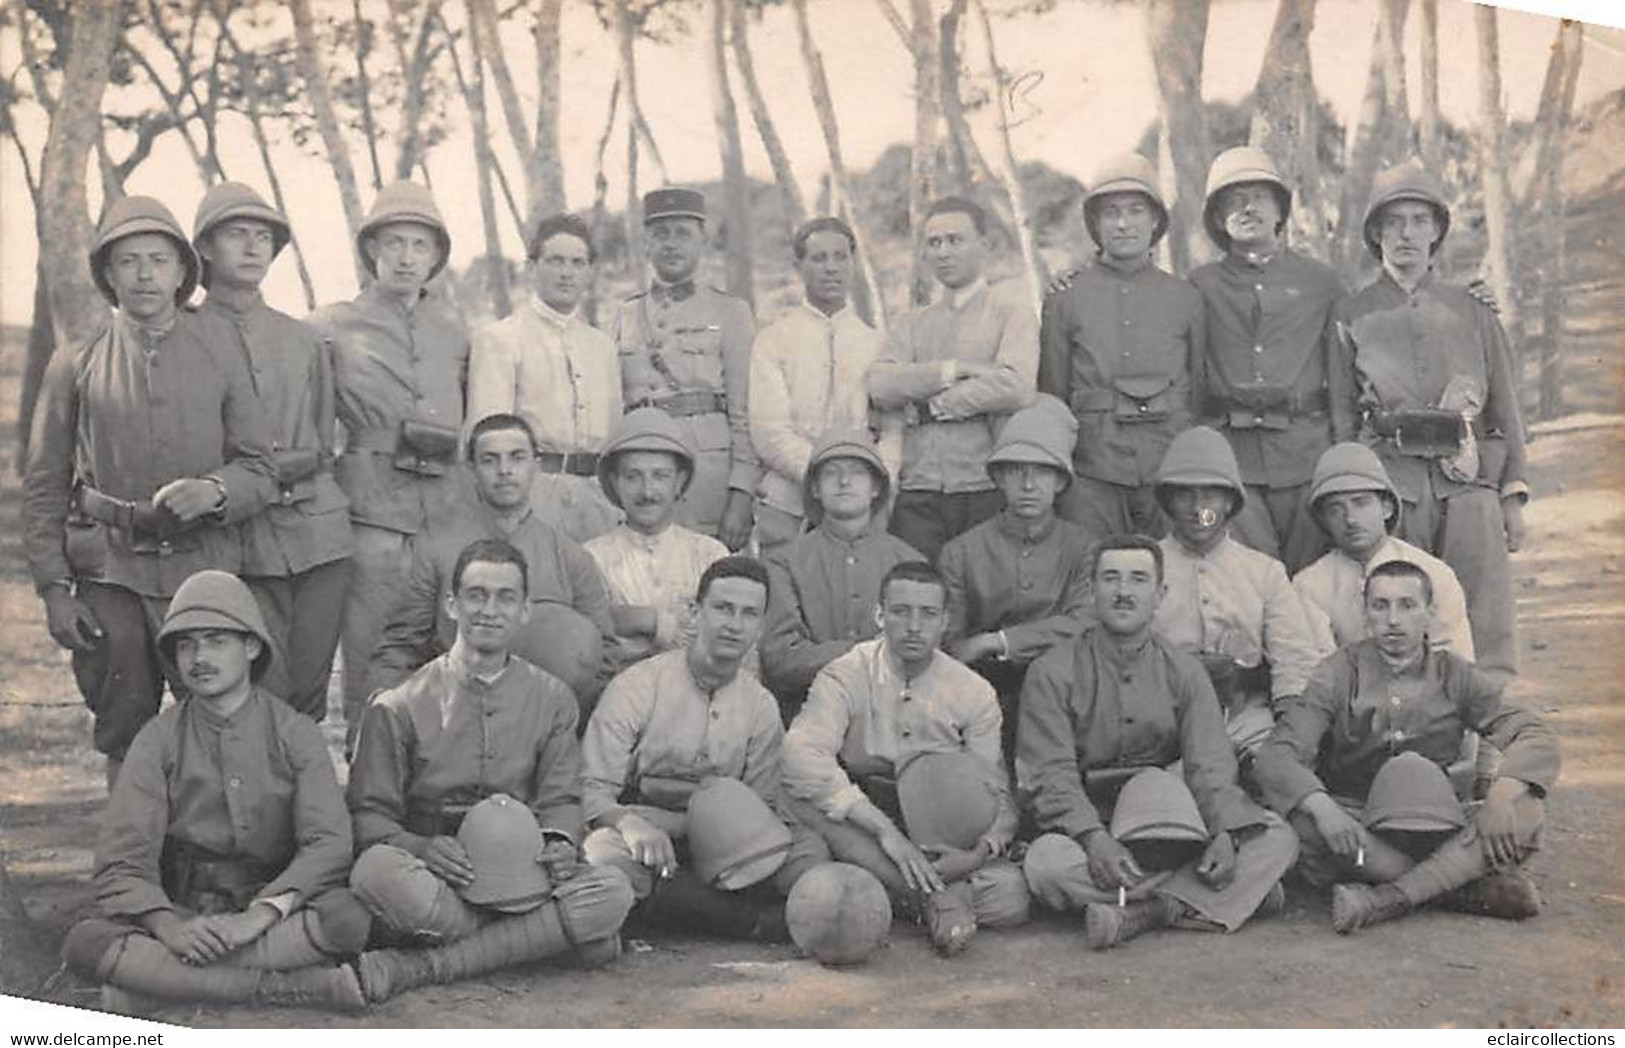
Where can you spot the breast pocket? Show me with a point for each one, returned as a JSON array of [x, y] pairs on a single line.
[[700, 355]]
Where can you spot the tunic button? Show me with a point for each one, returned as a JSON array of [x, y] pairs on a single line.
[[851, 560], [234, 782], [1258, 349], [715, 714], [1394, 699], [906, 733], [1142, 408]]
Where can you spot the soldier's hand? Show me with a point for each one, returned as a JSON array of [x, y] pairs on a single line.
[[649, 844], [1497, 823], [1484, 295], [195, 941], [979, 646], [918, 872], [1341, 831], [1512, 515], [952, 864], [447, 860], [189, 498], [1061, 281], [71, 622], [737, 517], [1218, 866], [560, 860], [1110, 863], [237, 930]]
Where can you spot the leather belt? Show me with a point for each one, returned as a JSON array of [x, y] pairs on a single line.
[[143, 523], [1389, 423], [574, 463], [376, 440], [685, 404], [1314, 402]]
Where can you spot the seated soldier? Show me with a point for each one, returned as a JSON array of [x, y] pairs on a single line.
[[569, 612], [651, 563], [473, 723], [225, 845], [826, 582], [1101, 718], [663, 760], [1355, 503], [1229, 605], [1388, 712], [1018, 584], [858, 752]]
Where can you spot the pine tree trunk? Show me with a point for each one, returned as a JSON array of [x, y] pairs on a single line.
[[485, 31], [494, 277], [1286, 118], [1177, 31], [1428, 132], [1552, 123], [40, 341], [1370, 139], [625, 37], [416, 64], [866, 296], [369, 126], [1009, 173], [314, 74], [1498, 257], [923, 160], [736, 192], [795, 209], [251, 102], [549, 159], [600, 196]]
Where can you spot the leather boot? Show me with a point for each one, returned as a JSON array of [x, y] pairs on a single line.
[[1508, 894], [949, 918], [599, 953], [142, 965], [1356, 906], [532, 936], [1106, 925]]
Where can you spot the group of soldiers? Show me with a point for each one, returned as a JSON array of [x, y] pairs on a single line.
[[1128, 609]]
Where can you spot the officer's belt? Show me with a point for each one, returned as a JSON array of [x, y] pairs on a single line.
[[207, 881], [424, 448], [1244, 412], [574, 463], [379, 440], [1107, 401], [684, 404], [142, 522]]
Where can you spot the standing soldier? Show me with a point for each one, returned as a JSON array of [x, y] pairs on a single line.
[[296, 555], [558, 373], [1120, 347], [400, 358], [685, 348], [1436, 399], [1275, 388], [807, 378], [145, 453], [954, 369]]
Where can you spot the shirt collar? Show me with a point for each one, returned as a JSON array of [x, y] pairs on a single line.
[[457, 658], [827, 318], [1013, 530], [958, 298], [550, 316], [206, 714], [649, 543], [147, 338], [676, 292], [1117, 655], [1423, 281], [236, 301]]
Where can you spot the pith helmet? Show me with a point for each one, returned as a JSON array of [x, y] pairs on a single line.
[[230, 200], [128, 216], [734, 838], [1411, 792], [1044, 432], [563, 642], [1235, 167], [1156, 805], [1410, 181], [216, 600], [503, 842], [1351, 466], [1125, 173], [673, 203], [843, 443], [838, 913], [1201, 456], [946, 799], [403, 202], [645, 429]]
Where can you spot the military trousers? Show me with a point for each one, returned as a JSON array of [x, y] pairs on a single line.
[[1104, 509], [1277, 521], [304, 613], [775, 528], [378, 572], [927, 520], [122, 677]]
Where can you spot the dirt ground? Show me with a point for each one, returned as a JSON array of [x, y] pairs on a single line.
[[1566, 967]]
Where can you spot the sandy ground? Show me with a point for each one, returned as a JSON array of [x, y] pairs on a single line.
[[1564, 968]]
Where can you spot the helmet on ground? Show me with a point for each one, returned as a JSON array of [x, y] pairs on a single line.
[[1200, 456], [215, 600], [946, 799], [128, 216], [843, 443], [1351, 466], [1241, 166], [838, 913], [734, 839], [1412, 793], [1409, 181], [503, 844], [403, 202], [563, 642], [645, 429], [230, 200], [1044, 432], [1125, 173], [1156, 805]]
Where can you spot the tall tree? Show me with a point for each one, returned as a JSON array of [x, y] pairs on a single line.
[[1428, 129], [867, 295], [923, 159], [549, 157], [1376, 137], [1551, 139], [736, 191], [1177, 33], [369, 126], [415, 62], [494, 269], [1008, 173], [314, 73], [795, 210], [624, 24], [1286, 117], [1498, 256], [485, 32]]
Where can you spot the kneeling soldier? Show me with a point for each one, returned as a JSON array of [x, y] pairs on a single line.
[[220, 870], [471, 724], [1357, 763], [895, 762], [1109, 712], [680, 775]]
